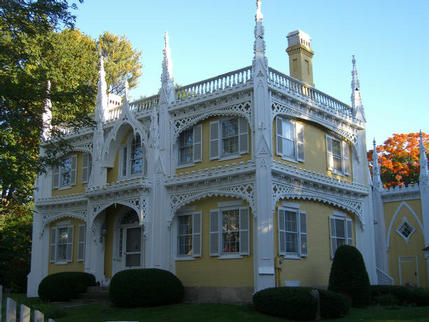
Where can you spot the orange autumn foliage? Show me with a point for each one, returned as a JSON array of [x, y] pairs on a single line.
[[399, 159]]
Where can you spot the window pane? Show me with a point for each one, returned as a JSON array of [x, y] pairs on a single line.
[[288, 147], [136, 156], [339, 228], [185, 235], [133, 243], [185, 146], [290, 221], [229, 136], [337, 163], [132, 260], [291, 243], [288, 130], [65, 171], [230, 231]]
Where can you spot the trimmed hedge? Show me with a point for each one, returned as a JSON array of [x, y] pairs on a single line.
[[145, 287], [295, 303], [348, 276], [64, 286], [393, 294], [332, 305]]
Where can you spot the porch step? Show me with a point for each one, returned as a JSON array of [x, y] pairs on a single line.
[[95, 294]]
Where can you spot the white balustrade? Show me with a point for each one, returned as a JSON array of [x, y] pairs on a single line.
[[146, 103], [215, 84], [327, 102]]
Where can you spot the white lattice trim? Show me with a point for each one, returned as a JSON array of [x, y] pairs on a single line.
[[243, 109], [243, 191], [304, 112], [47, 219], [296, 191]]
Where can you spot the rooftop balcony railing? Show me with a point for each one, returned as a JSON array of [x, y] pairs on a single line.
[[215, 84], [323, 100]]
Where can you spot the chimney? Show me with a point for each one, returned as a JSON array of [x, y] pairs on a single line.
[[300, 56]]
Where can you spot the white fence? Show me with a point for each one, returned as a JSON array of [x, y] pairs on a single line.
[[25, 311]]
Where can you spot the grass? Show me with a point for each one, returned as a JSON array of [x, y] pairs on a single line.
[[203, 312]]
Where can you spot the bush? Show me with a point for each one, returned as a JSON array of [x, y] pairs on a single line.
[[295, 303], [402, 294], [64, 286], [349, 276], [145, 287], [332, 305]]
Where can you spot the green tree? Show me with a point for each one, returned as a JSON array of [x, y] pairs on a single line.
[[122, 62]]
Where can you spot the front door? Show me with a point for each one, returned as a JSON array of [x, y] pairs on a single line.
[[408, 270], [132, 246]]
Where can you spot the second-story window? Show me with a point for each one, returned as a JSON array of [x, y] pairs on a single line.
[[190, 147], [338, 155], [64, 175], [132, 158], [290, 139], [228, 138]]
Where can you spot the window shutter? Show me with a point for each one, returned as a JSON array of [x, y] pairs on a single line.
[[243, 132], [279, 139], [196, 235], [56, 176], [330, 157], [85, 167], [303, 233], [69, 249], [214, 232], [300, 142], [73, 169], [214, 140], [197, 147], [333, 235], [81, 245], [53, 244], [346, 157], [282, 232], [244, 231], [349, 232]]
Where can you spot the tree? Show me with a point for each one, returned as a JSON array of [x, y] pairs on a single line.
[[122, 62], [349, 277], [399, 159]]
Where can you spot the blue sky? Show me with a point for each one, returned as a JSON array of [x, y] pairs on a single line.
[[210, 37]]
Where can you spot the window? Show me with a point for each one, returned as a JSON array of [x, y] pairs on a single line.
[[341, 231], [61, 244], [406, 230], [81, 243], [190, 147], [228, 138], [65, 174], [290, 139], [130, 244], [292, 232], [189, 234], [132, 161], [229, 231], [86, 167], [338, 155]]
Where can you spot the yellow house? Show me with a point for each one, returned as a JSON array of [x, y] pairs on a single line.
[[247, 180]]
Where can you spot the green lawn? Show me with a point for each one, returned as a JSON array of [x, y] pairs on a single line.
[[205, 312]]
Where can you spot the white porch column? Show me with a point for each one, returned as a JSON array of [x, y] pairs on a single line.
[[39, 254], [263, 232]]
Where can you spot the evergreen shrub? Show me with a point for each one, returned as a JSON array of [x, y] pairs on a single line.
[[349, 277], [402, 295], [294, 303], [145, 287], [64, 286], [332, 305]]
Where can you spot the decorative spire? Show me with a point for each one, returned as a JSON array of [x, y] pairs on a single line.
[[167, 64], [167, 93], [356, 95], [126, 88], [259, 45], [101, 110], [47, 114], [424, 172], [376, 178]]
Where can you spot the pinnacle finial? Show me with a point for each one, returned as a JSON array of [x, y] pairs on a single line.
[[126, 88], [356, 97], [424, 171], [259, 16], [167, 65], [101, 109], [47, 114], [376, 179]]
